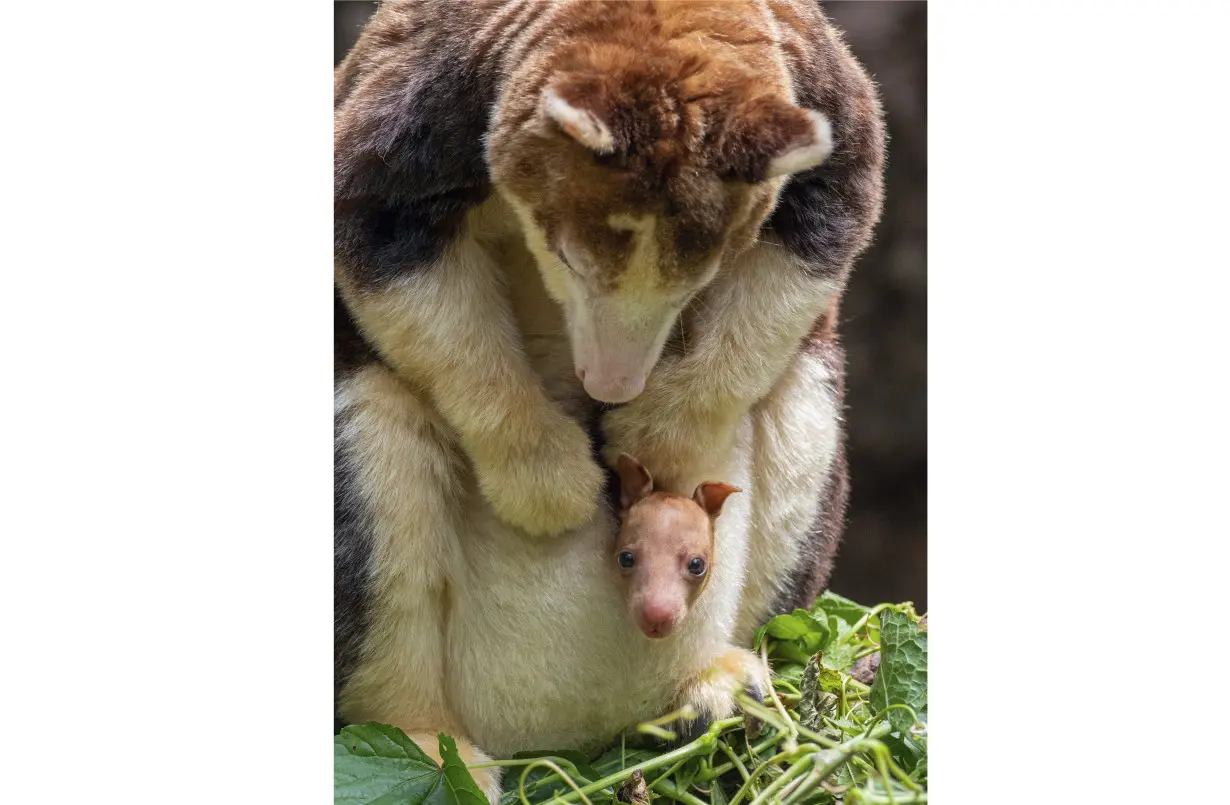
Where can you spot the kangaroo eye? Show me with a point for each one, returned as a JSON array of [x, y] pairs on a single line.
[[626, 559], [697, 566], [560, 256]]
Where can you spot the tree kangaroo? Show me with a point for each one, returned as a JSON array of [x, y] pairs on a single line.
[[566, 230]]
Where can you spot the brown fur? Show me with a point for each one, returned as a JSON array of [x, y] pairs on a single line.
[[696, 107]]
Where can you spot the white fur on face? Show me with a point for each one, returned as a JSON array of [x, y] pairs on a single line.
[[617, 337], [616, 342]]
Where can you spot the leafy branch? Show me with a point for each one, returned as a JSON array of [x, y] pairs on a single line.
[[824, 736]]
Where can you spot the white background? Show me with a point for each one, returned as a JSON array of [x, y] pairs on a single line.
[[165, 581]]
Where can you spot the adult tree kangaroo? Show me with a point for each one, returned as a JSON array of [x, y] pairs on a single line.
[[567, 230]]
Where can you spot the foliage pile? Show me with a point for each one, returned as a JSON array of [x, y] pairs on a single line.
[[823, 737]]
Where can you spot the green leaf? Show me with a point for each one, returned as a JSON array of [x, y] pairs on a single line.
[[800, 626], [375, 764], [902, 676], [791, 672], [789, 652], [818, 697], [830, 603], [458, 778], [840, 657], [906, 752], [844, 776], [796, 637], [758, 637]]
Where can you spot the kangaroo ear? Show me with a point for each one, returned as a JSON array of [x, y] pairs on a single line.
[[807, 150], [574, 106], [710, 496], [635, 482], [771, 137]]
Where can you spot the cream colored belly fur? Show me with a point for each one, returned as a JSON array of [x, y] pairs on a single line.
[[525, 643]]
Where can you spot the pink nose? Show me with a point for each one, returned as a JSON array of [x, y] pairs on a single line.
[[657, 619], [614, 389]]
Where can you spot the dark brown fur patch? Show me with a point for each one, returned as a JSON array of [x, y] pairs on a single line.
[[410, 113], [350, 351], [826, 216]]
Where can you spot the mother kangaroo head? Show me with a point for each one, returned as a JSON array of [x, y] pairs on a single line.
[[635, 174]]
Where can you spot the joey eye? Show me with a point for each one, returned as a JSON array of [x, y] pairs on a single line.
[[626, 559], [697, 566]]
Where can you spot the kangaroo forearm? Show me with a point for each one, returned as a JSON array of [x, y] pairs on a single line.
[[449, 330], [747, 328]]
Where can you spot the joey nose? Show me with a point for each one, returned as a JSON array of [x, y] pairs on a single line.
[[657, 619]]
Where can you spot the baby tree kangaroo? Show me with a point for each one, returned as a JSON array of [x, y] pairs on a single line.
[[664, 551]]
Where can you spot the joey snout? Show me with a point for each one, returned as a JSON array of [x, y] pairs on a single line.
[[658, 616]]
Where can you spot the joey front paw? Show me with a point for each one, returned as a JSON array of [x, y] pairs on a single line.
[[712, 695], [542, 480]]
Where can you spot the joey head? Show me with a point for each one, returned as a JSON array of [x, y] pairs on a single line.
[[664, 550]]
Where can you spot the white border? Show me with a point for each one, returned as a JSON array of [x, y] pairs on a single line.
[[167, 459]]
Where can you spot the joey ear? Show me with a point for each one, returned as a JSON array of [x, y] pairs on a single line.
[[635, 482], [710, 496], [564, 103], [806, 151]]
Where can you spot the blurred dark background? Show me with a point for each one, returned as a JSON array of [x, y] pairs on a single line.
[[884, 314]]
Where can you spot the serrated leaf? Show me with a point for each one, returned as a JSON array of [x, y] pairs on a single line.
[[461, 784], [376, 764], [819, 693], [902, 676], [844, 776]]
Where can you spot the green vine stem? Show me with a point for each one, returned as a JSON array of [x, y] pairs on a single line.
[[785, 777], [703, 745], [672, 791], [792, 735], [553, 767], [734, 760], [861, 623], [654, 785], [753, 753], [759, 770]]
